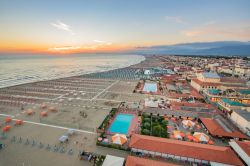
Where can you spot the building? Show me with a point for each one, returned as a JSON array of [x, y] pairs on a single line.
[[229, 105], [138, 161], [219, 128], [208, 77], [242, 119], [184, 151], [242, 149]]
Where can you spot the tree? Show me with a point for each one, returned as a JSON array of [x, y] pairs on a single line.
[[157, 130], [146, 125], [146, 132]]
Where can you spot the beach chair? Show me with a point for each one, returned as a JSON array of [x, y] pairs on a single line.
[[27, 142], [20, 140], [48, 147], [70, 152], [33, 143], [13, 139], [61, 150], [55, 149]]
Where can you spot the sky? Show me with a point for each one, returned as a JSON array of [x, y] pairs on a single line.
[[66, 26]]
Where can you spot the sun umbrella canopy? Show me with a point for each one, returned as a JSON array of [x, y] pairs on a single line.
[[188, 123], [177, 134], [201, 137], [119, 139]]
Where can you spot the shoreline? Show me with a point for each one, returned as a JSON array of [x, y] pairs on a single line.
[[80, 75]]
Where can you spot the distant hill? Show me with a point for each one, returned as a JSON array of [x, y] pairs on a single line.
[[200, 48]]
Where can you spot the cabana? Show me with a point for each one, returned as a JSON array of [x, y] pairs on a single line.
[[188, 124], [201, 137], [177, 134], [119, 139], [113, 160]]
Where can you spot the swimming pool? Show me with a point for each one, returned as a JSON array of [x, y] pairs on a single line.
[[121, 123], [150, 87]]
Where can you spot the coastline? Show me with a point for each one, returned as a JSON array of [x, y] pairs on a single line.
[[138, 61]]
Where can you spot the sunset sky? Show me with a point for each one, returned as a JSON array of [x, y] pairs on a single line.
[[56, 26]]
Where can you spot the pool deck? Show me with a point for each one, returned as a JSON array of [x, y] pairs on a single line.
[[133, 128], [158, 92]]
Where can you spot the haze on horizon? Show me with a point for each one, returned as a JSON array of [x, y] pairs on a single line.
[[61, 26]]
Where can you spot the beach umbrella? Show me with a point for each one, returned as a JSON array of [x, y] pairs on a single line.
[[169, 127], [43, 106], [190, 137], [29, 112], [210, 142], [8, 119], [173, 119], [188, 123], [119, 139], [44, 113], [201, 137], [6, 128], [52, 109], [177, 134], [19, 122]]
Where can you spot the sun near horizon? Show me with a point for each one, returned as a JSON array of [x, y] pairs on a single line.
[[98, 26]]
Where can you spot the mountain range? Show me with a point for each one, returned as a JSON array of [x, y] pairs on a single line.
[[224, 48]]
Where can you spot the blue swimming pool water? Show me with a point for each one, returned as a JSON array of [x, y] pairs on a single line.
[[150, 87], [121, 124]]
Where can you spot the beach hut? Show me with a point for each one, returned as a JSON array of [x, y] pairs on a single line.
[[119, 139], [188, 124], [201, 137], [8, 120]]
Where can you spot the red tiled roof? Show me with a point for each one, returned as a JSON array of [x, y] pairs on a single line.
[[205, 83], [232, 80], [218, 154], [216, 130], [245, 146], [138, 161], [187, 104]]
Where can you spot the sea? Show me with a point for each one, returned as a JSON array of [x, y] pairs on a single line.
[[20, 69]]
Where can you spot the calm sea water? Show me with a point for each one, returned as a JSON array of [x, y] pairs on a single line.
[[15, 70]]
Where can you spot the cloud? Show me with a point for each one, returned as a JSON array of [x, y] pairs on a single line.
[[99, 41], [62, 26], [176, 19], [102, 42], [234, 31], [65, 48]]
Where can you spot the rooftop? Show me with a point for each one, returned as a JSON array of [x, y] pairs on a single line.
[[210, 75], [138, 161], [232, 103], [185, 149], [243, 114], [244, 91], [217, 129]]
